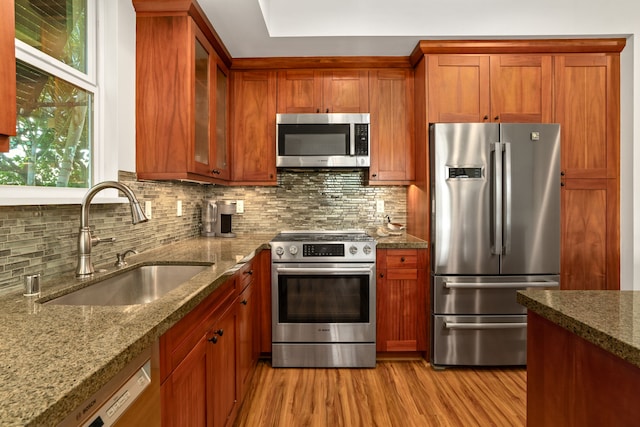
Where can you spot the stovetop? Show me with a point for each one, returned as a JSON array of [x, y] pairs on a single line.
[[323, 236]]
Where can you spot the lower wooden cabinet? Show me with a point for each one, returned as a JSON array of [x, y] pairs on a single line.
[[208, 358], [402, 308]]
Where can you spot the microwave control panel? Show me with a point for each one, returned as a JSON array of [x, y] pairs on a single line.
[[361, 131]]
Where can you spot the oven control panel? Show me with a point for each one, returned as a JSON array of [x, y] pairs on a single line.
[[314, 252]]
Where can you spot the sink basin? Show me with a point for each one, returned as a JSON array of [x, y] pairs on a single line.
[[140, 285]]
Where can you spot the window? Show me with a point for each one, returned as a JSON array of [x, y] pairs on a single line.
[[59, 151]]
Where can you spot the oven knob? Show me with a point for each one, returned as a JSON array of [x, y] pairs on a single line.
[[279, 251], [353, 250], [366, 249], [293, 250]]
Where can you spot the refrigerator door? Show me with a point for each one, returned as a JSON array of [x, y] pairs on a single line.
[[462, 233], [531, 199]]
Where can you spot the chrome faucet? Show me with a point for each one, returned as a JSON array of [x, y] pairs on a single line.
[[85, 239]]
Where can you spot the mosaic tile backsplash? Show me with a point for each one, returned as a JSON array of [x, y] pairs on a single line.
[[43, 239]]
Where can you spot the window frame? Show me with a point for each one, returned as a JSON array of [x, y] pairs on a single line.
[[104, 162]]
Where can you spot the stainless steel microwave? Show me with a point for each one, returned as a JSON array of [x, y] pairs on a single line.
[[322, 140]]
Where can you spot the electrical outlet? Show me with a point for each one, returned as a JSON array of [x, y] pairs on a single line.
[[379, 206], [239, 206], [179, 208], [147, 209]]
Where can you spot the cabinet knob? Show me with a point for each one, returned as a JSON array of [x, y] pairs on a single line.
[[249, 272], [485, 118], [318, 110], [381, 275], [496, 118], [374, 175], [562, 173], [219, 332], [402, 259], [327, 110], [562, 184], [215, 171], [213, 340], [243, 302]]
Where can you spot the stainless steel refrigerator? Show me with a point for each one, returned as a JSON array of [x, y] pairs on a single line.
[[495, 229]]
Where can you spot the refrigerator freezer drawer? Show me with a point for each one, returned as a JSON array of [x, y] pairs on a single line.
[[494, 295], [479, 341]]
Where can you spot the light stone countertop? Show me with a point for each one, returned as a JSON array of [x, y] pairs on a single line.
[[608, 319], [53, 357]]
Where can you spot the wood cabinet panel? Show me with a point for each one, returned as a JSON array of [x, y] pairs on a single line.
[[254, 127], [265, 301], [587, 108], [402, 301], [392, 127], [7, 74], [590, 234], [458, 88], [221, 374], [185, 394], [322, 91], [571, 382], [521, 88], [248, 330]]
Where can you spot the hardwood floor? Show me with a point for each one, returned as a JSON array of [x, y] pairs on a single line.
[[396, 393]]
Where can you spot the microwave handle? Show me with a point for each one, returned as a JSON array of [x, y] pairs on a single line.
[[352, 139]]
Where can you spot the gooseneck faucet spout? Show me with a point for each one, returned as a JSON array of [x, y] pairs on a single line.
[[85, 239]]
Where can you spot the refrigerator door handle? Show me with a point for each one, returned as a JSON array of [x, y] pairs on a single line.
[[500, 285], [454, 325], [507, 198], [497, 199]]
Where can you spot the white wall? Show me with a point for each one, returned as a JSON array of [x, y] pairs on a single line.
[[453, 19]]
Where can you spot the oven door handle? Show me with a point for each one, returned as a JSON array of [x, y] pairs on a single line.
[[325, 270], [454, 325], [500, 285]]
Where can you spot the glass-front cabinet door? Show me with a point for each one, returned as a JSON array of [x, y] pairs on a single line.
[[210, 98]]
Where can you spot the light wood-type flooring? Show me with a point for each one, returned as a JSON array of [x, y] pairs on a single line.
[[396, 393]]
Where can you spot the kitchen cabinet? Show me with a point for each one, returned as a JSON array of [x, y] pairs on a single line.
[[323, 91], [181, 116], [512, 88], [587, 102], [392, 127], [223, 370], [402, 295], [7, 74], [265, 301], [248, 323], [254, 127]]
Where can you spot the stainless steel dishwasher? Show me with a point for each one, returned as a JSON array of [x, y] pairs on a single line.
[[132, 397]]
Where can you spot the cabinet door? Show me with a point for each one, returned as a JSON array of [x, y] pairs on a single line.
[[7, 74], [392, 132], [402, 305], [185, 394], [587, 108], [221, 373], [221, 141], [345, 91], [590, 251], [248, 350], [299, 91], [265, 302], [458, 87], [521, 88], [254, 127]]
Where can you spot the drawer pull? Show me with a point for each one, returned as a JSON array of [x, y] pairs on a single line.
[[213, 340], [453, 325], [243, 302], [500, 285]]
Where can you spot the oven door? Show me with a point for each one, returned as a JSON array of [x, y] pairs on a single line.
[[323, 302]]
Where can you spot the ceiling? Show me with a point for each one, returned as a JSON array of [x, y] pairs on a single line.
[[283, 28]]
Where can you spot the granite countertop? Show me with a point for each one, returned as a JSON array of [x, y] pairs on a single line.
[[52, 357], [608, 319]]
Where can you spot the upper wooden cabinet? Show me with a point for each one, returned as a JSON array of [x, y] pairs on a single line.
[[7, 74], [323, 91], [391, 134], [512, 88], [254, 127], [182, 116]]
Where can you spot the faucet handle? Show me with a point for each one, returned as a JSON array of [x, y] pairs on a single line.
[[96, 240], [120, 262]]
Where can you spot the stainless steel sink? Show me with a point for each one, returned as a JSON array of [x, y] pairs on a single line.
[[140, 285]]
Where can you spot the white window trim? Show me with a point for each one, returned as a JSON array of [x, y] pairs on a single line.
[[105, 162]]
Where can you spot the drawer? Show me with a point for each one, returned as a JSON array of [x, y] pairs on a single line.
[[405, 258], [246, 274]]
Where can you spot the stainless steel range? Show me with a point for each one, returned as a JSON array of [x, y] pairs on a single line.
[[323, 289]]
